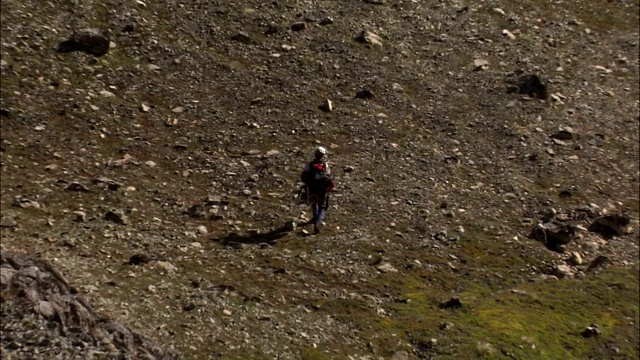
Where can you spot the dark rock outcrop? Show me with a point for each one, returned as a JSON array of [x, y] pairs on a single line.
[[39, 305]]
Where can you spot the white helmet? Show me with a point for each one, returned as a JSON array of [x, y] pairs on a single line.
[[321, 151]]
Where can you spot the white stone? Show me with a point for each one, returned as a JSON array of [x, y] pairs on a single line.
[[480, 64], [370, 38], [168, 267], [575, 259], [386, 267], [107, 93], [397, 87], [508, 34], [203, 230]]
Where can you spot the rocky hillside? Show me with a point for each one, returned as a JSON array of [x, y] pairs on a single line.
[[486, 156]]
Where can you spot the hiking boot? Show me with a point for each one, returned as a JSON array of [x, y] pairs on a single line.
[[316, 225]]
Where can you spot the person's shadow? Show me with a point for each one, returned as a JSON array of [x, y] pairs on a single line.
[[257, 237]]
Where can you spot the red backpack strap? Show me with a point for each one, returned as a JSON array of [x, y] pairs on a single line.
[[315, 163]]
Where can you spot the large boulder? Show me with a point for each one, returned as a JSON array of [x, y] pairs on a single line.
[[91, 41]]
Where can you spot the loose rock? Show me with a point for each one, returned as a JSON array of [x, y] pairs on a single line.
[[74, 186], [326, 21], [23, 202], [299, 26], [575, 259], [80, 216], [139, 259], [453, 303], [508, 34], [370, 38], [563, 271], [598, 262], [386, 267], [107, 93], [167, 266], [533, 85], [327, 106], [118, 216], [480, 64], [364, 94], [242, 37], [203, 230], [565, 133], [591, 331]]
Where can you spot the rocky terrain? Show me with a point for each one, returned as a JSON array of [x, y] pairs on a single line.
[[486, 156]]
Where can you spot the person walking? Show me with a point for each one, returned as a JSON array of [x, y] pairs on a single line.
[[316, 177]]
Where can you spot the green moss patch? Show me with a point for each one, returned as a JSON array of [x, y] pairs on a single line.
[[541, 320]]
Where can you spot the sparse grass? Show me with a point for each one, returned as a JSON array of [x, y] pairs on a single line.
[[314, 354]]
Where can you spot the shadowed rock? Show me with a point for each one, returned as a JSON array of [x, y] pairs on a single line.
[[91, 41], [611, 225], [118, 216], [533, 86], [453, 303], [528, 84], [598, 263], [554, 235], [591, 331], [365, 94]]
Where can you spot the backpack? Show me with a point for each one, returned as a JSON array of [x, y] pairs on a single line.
[[317, 179]]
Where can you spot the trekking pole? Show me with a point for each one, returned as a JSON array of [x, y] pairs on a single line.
[[326, 201]]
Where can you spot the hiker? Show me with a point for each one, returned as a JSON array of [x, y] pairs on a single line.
[[316, 177]]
